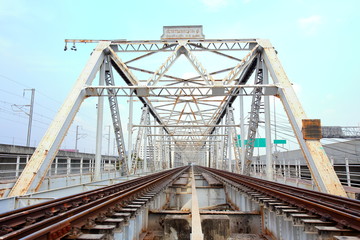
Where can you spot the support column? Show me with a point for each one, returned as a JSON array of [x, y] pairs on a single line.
[[162, 149], [81, 166], [130, 131], [218, 151], [17, 166], [145, 146], [348, 179], [222, 166], [269, 160], [169, 152], [99, 127], [229, 142], [68, 166], [242, 131], [56, 166]]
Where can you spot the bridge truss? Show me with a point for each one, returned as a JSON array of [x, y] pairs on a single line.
[[192, 116]]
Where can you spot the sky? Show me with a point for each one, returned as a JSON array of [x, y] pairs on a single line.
[[315, 41]]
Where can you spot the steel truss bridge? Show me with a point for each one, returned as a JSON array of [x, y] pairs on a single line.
[[194, 115]]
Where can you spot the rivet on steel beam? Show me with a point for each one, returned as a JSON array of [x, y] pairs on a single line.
[[107, 51]]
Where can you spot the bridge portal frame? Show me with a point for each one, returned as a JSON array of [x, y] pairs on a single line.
[[231, 86]]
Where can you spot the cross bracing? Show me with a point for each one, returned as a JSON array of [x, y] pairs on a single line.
[[188, 95]]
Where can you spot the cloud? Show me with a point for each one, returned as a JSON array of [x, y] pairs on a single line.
[[310, 25]]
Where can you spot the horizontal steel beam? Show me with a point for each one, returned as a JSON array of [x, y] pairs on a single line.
[[188, 140], [187, 135], [123, 45], [187, 126], [182, 91], [148, 42], [340, 132]]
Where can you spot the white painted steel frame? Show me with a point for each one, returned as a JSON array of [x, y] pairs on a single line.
[[198, 117], [36, 169], [321, 169]]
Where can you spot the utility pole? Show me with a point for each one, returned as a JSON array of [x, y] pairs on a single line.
[[114, 146], [109, 141], [108, 151], [78, 136], [30, 113]]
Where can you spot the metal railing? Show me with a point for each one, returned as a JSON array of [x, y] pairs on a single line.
[[11, 166], [348, 174]]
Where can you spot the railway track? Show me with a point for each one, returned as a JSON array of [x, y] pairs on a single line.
[[67, 217], [98, 213], [343, 212]]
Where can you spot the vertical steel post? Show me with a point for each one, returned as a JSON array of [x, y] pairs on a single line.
[[130, 131], [163, 155], [17, 166], [217, 148], [169, 153], [229, 142], [284, 168], [81, 167], [208, 154], [269, 160], [242, 131], [68, 166], [109, 140], [145, 145], [99, 127], [56, 166], [156, 147], [347, 172], [222, 129], [173, 156]]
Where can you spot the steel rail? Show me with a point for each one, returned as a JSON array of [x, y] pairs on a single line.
[[80, 218], [71, 212], [341, 210], [343, 204], [139, 187], [66, 201]]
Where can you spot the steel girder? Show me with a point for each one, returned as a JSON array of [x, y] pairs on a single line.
[[36, 169], [254, 118], [321, 169], [115, 116], [199, 116]]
